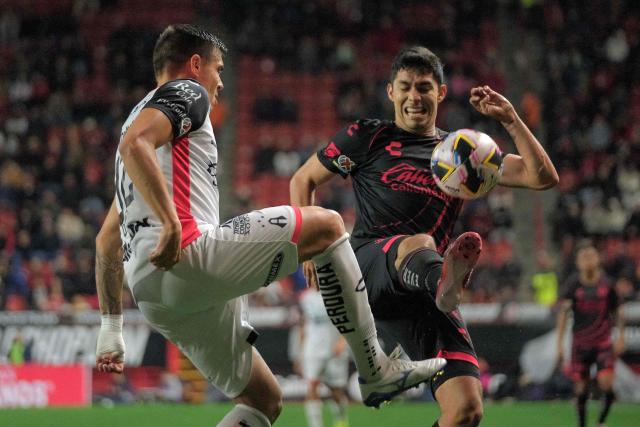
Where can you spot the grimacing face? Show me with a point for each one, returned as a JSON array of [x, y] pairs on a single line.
[[588, 259], [415, 98]]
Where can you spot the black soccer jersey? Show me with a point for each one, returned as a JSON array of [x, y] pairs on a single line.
[[391, 175], [593, 308]]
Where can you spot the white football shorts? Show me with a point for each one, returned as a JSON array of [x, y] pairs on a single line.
[[201, 304], [332, 371]]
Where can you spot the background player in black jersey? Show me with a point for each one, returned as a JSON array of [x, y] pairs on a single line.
[[404, 221], [592, 298]]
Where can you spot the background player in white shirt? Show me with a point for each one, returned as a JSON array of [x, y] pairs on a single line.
[[190, 274], [324, 360]]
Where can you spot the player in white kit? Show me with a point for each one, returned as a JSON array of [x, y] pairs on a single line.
[[190, 274], [324, 359]]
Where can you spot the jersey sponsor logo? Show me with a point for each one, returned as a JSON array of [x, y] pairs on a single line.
[[178, 109], [394, 148], [240, 224], [185, 126], [344, 163], [405, 177], [331, 151], [280, 221], [186, 92], [331, 292], [275, 268], [351, 128]]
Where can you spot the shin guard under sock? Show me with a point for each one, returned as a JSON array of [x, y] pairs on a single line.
[[345, 299], [421, 269]]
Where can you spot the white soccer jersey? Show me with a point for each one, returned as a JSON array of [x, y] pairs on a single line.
[[188, 163]]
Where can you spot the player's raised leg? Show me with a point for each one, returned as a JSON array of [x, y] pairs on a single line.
[[324, 239], [420, 266]]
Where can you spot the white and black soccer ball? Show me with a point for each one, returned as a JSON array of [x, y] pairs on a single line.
[[466, 164]]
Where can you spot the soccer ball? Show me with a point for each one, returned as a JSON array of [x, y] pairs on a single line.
[[467, 164]]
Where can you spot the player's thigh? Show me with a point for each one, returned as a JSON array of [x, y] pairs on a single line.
[[460, 397], [250, 250], [218, 341]]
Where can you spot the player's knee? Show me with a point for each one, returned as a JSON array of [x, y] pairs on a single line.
[[466, 413], [272, 407], [332, 226], [469, 413], [413, 243]]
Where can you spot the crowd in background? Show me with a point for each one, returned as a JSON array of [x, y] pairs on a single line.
[[60, 119]]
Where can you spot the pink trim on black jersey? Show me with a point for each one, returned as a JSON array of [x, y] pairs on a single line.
[[458, 355], [376, 135], [298, 227], [182, 190], [387, 245]]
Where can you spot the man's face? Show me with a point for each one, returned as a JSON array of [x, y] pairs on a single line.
[[588, 259], [210, 77], [415, 100]]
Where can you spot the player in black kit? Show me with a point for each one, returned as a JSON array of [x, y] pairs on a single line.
[[592, 298], [404, 221]]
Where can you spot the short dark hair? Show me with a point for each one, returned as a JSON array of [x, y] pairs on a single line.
[[418, 58], [178, 42], [582, 244]]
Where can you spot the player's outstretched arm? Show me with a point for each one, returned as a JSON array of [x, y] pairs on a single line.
[[532, 167], [149, 131], [109, 281], [302, 188]]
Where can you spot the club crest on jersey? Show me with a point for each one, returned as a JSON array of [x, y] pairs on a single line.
[[332, 151], [185, 125], [344, 163]]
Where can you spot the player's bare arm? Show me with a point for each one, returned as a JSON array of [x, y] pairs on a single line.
[[109, 281], [302, 188], [619, 344], [531, 167], [149, 131], [561, 326]]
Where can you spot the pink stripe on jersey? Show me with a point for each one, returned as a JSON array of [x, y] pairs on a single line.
[[458, 355], [298, 227], [387, 245], [182, 190]]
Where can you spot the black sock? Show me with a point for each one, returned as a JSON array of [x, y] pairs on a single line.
[[581, 404], [421, 269], [608, 399]]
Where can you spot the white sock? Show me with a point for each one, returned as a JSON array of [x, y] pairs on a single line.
[[244, 416], [313, 409], [346, 301], [339, 409]]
